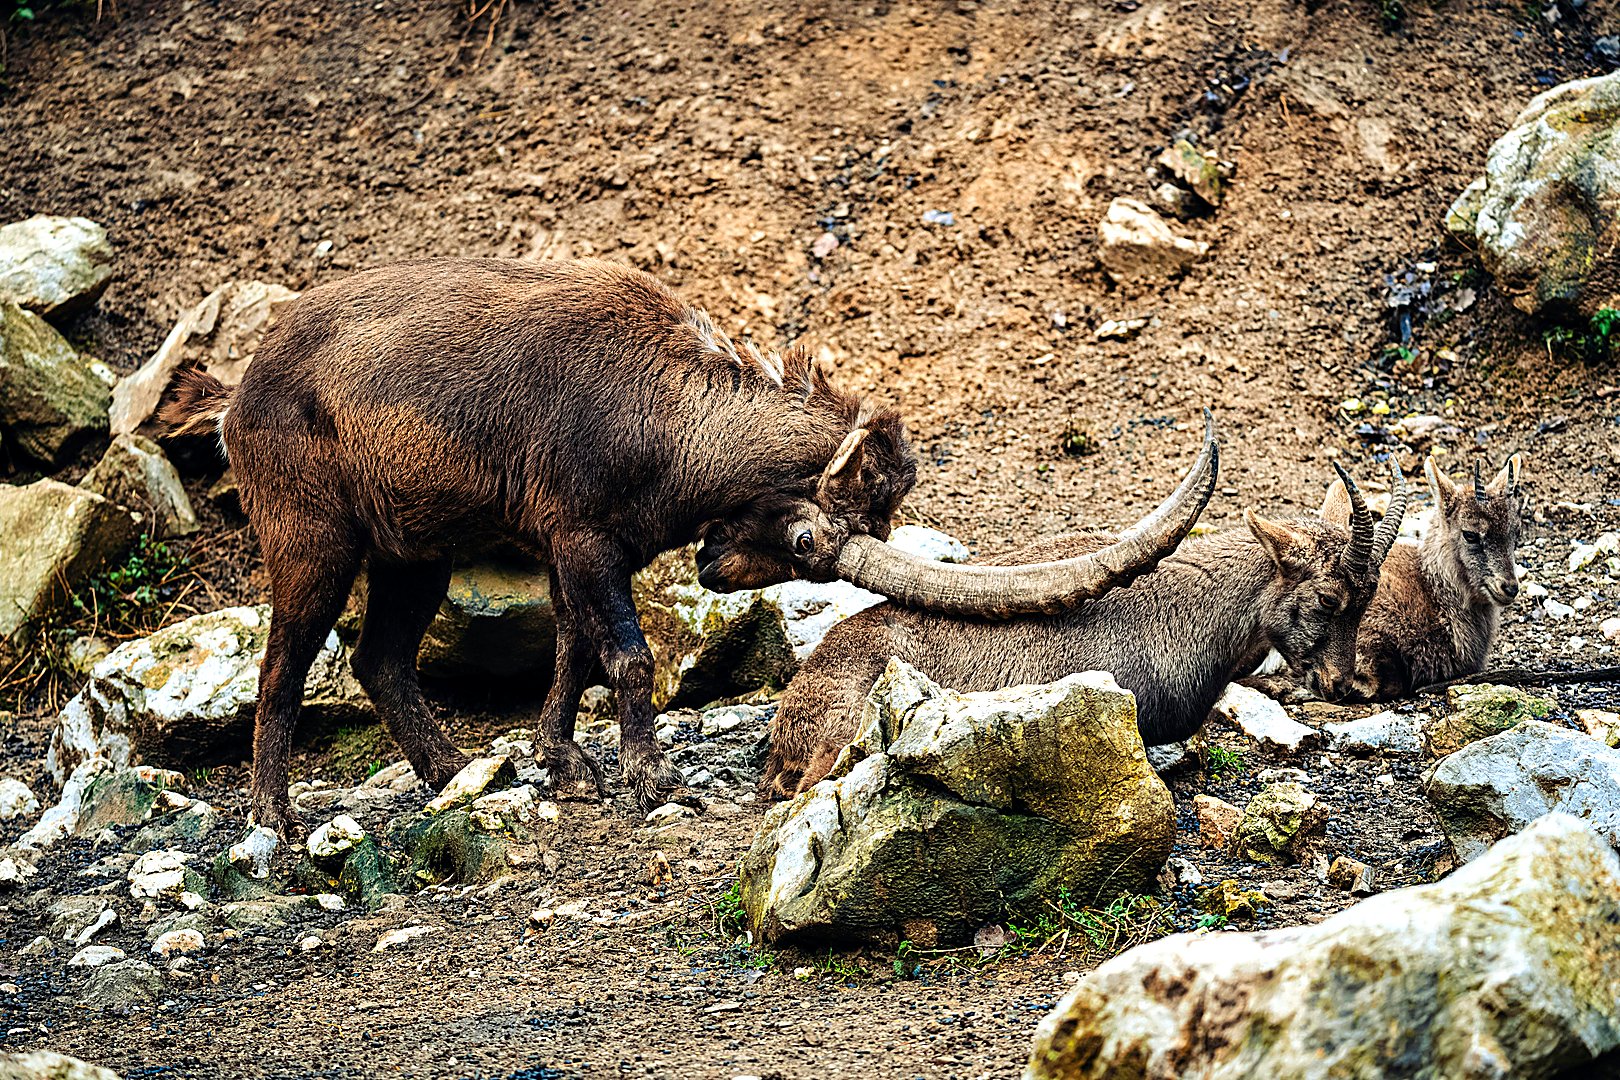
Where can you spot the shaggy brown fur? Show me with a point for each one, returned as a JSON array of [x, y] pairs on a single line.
[[1439, 602], [405, 415], [1175, 637]]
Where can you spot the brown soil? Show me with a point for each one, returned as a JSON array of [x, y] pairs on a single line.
[[712, 143]]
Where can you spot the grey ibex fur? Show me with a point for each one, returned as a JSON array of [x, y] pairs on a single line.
[[1439, 601], [1175, 637], [408, 414]]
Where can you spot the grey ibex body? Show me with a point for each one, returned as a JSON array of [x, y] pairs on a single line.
[[407, 414], [1175, 637], [1440, 601]]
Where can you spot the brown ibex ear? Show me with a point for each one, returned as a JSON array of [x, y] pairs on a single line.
[[1445, 492], [1281, 542], [1336, 506], [849, 454], [1507, 481]]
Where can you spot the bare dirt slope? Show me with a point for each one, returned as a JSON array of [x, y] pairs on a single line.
[[713, 143]]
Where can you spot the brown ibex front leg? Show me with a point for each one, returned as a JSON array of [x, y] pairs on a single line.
[[595, 579], [573, 771]]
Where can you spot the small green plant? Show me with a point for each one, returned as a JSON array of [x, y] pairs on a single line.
[[842, 967], [1398, 356], [1128, 920], [201, 777], [373, 768], [1224, 761], [901, 969], [1594, 341], [1211, 921], [730, 918], [129, 597], [1077, 442], [1392, 12]]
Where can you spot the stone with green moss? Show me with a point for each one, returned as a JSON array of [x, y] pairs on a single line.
[[1229, 900], [1543, 215], [1279, 825], [447, 847], [1510, 967], [949, 810], [178, 828], [1481, 711], [52, 400], [124, 797]]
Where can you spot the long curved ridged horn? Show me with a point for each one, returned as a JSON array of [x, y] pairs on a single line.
[[1358, 553], [1390, 528], [1037, 588]]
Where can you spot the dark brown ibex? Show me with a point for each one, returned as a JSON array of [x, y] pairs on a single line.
[[581, 410], [1439, 601], [1175, 637]]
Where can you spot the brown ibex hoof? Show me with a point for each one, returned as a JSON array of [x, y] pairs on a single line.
[[574, 773], [650, 777], [280, 817], [443, 770]]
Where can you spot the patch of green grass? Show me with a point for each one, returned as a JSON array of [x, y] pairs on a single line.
[[1224, 761], [1594, 341], [201, 777], [729, 915], [130, 597], [847, 968], [1097, 933], [1392, 12]]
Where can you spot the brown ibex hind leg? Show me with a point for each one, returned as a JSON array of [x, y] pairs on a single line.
[[401, 599], [311, 571], [573, 771]]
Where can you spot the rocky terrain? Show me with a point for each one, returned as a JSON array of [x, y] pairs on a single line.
[[1052, 234]]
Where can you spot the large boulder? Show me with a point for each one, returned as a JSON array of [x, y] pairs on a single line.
[[49, 1065], [1499, 785], [135, 474], [950, 810], [52, 539], [496, 620], [1510, 967], [52, 401], [1542, 217], [54, 266]]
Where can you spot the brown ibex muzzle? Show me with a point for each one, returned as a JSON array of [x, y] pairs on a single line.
[[1040, 588]]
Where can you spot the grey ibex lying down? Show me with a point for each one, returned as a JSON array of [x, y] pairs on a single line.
[[1175, 637], [408, 414]]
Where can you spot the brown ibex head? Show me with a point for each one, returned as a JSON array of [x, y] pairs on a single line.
[[1478, 529], [798, 534], [1326, 572]]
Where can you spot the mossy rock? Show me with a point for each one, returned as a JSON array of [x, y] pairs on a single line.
[[1478, 712], [1279, 825], [447, 847]]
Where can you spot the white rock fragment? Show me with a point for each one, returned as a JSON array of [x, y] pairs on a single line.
[[1136, 244], [14, 873], [331, 902], [255, 853], [1385, 732], [158, 874], [1610, 628], [182, 942], [335, 837], [93, 956], [669, 812], [1263, 720], [1584, 555], [479, 775], [106, 920], [394, 938], [16, 800], [1556, 609]]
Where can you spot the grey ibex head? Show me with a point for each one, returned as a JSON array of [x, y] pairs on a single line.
[[1325, 574], [1478, 529]]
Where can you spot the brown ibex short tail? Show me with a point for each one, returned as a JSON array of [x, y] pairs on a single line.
[[200, 402]]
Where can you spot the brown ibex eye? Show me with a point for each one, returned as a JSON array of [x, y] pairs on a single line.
[[804, 543], [1471, 537]]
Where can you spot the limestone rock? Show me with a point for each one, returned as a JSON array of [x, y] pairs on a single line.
[[15, 873], [392, 939], [183, 942], [93, 956], [1137, 245], [950, 809], [1351, 875], [54, 266], [220, 335], [1263, 720], [164, 875], [1280, 824], [517, 812], [1382, 733], [1217, 821], [1500, 784], [1481, 711], [185, 695], [16, 800], [335, 838], [255, 853], [52, 401], [121, 986], [135, 474], [1510, 967], [477, 777], [52, 538], [71, 916], [49, 1065], [1201, 172], [1230, 900], [124, 797], [1543, 215], [496, 620], [179, 827]]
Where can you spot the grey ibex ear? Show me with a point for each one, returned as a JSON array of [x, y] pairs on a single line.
[[1280, 541], [1445, 492], [1507, 481], [1336, 506]]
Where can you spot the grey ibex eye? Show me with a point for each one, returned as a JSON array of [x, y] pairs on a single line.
[[1471, 537], [804, 543]]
